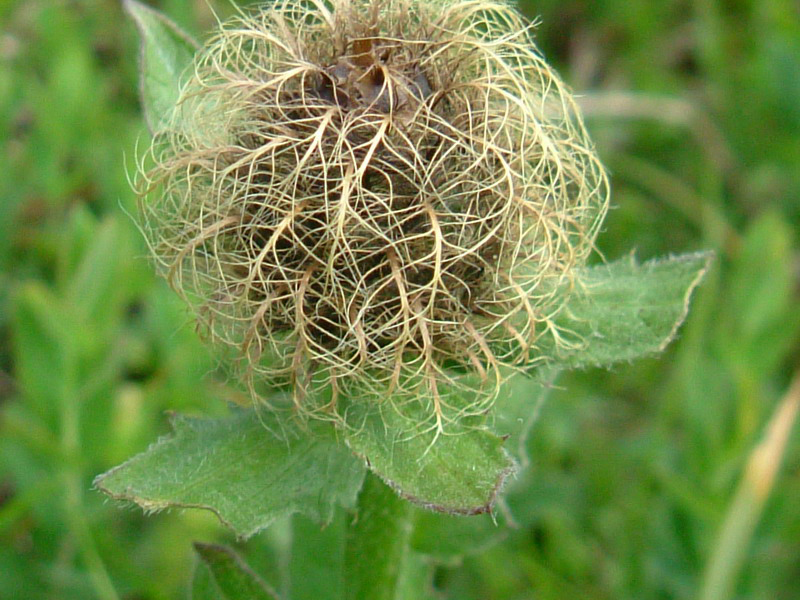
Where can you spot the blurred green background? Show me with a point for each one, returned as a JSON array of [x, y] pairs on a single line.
[[695, 108]]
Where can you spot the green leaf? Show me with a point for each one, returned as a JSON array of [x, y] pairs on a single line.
[[447, 538], [203, 585], [233, 579], [761, 308], [242, 470], [517, 408], [45, 341], [458, 471], [316, 563], [625, 310], [416, 578], [166, 52]]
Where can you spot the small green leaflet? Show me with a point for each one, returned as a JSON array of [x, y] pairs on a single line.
[[166, 51], [459, 471], [249, 469], [626, 310]]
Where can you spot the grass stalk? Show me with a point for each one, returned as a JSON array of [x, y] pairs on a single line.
[[748, 503]]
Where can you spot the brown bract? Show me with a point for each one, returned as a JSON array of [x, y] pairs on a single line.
[[381, 196]]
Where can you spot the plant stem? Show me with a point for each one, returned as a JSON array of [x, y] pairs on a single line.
[[377, 543]]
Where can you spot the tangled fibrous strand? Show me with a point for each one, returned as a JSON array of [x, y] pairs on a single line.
[[375, 195]]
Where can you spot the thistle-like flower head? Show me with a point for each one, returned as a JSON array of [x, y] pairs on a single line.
[[379, 195]]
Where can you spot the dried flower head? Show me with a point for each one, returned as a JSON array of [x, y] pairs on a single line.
[[374, 194]]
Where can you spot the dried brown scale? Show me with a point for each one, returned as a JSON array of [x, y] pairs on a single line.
[[375, 194]]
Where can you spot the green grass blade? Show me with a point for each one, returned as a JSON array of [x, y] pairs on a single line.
[[233, 578]]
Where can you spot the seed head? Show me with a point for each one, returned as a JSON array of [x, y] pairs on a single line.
[[379, 195]]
